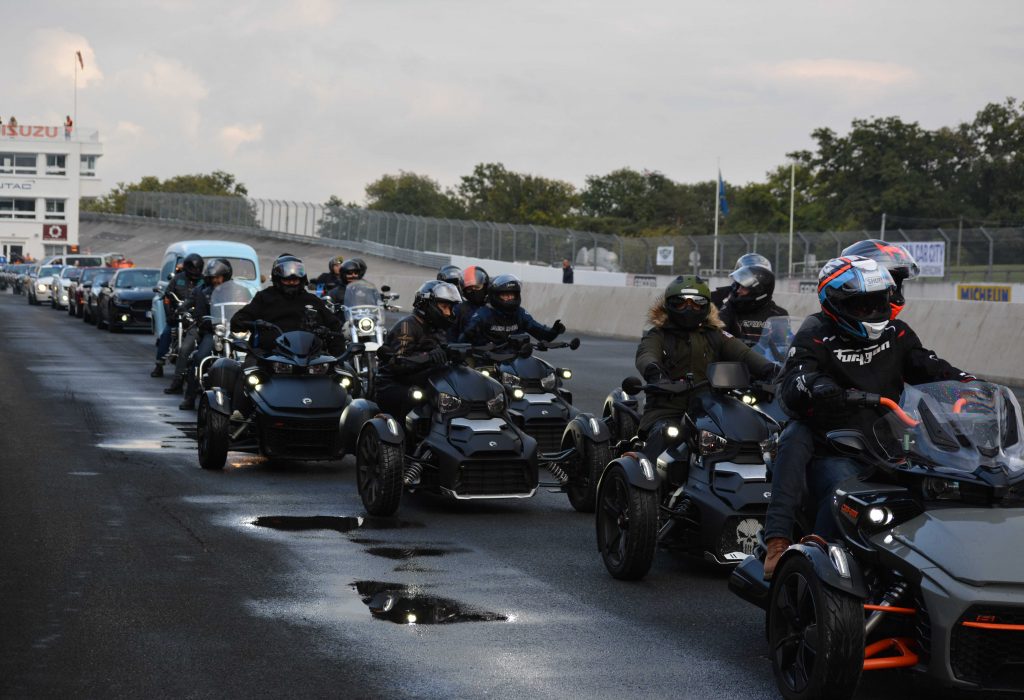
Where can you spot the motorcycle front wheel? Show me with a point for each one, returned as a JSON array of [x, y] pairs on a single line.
[[627, 525], [378, 473]]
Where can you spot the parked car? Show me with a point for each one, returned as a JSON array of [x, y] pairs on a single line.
[[75, 260], [124, 301], [40, 283], [61, 283], [245, 269], [78, 288], [90, 307]]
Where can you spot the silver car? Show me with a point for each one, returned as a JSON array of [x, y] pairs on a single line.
[[39, 284]]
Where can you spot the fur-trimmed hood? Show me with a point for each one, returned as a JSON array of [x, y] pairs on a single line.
[[658, 317]]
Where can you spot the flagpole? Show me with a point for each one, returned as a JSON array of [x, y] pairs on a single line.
[[718, 204], [75, 110], [792, 200]]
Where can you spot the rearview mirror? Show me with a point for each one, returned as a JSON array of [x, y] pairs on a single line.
[[632, 385], [574, 343], [385, 288]]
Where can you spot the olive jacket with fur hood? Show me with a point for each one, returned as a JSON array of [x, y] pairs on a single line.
[[666, 350]]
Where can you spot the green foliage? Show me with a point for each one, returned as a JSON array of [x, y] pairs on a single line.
[[409, 193], [217, 183], [493, 193]]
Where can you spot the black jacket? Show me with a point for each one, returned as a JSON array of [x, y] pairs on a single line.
[[879, 366], [288, 312], [748, 326], [198, 305], [181, 285], [463, 312], [488, 325], [329, 281], [404, 357]]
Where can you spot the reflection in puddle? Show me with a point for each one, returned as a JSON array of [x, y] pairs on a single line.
[[411, 552], [294, 523], [165, 444], [399, 603]]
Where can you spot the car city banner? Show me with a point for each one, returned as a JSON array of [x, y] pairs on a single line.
[[930, 256]]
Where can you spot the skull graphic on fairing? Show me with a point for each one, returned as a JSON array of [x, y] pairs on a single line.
[[746, 534]]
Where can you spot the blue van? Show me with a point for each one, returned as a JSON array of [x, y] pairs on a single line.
[[245, 268]]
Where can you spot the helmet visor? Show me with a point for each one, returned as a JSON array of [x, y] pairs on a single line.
[[290, 269], [681, 302], [744, 277], [868, 307]]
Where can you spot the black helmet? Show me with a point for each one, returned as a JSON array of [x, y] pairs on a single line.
[[895, 258], [688, 301], [362, 267], [452, 274], [192, 265], [474, 284], [217, 267], [350, 267], [855, 292], [748, 259], [759, 283], [505, 284], [288, 267], [429, 298], [336, 260]]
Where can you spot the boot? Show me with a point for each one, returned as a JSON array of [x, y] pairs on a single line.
[[176, 385], [158, 371], [776, 546], [188, 403]]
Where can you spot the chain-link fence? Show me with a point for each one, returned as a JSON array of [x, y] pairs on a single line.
[[990, 254]]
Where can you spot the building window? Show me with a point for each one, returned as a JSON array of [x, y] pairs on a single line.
[[18, 163], [55, 210], [54, 249], [88, 166], [17, 208], [56, 164]]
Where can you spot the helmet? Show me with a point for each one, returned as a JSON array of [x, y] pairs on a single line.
[[362, 267], [450, 273], [688, 301], [505, 284], [336, 260], [474, 284], [288, 267], [428, 300], [193, 265], [760, 285], [350, 267], [217, 267], [748, 259], [895, 258], [855, 293]]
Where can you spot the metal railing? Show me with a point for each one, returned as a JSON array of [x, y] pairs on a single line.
[[981, 253]]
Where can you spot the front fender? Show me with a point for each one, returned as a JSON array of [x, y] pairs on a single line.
[[387, 429], [360, 412], [219, 400], [586, 427], [631, 464], [826, 571]]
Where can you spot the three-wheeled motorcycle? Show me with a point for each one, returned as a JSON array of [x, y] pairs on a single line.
[[926, 575]]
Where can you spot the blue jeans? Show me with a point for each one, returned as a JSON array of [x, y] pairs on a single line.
[[789, 480], [163, 343], [824, 475]]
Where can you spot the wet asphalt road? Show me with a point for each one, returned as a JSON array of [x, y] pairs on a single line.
[[127, 571]]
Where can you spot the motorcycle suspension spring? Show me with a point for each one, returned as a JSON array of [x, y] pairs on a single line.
[[412, 474], [558, 473], [891, 597]]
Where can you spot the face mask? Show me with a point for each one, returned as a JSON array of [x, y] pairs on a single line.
[[688, 319], [875, 330]]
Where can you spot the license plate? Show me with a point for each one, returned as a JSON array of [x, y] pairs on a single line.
[[149, 314]]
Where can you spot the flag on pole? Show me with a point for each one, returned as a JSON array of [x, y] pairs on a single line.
[[722, 204], [78, 54]]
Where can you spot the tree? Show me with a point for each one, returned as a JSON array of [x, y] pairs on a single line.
[[493, 193], [410, 193]]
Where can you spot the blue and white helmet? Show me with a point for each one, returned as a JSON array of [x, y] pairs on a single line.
[[855, 293]]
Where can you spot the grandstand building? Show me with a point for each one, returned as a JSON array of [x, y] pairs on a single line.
[[44, 170]]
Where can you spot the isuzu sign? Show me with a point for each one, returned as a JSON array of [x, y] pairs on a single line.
[[31, 132], [55, 232]]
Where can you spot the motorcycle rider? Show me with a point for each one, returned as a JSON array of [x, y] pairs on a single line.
[[721, 294], [686, 336], [414, 346], [332, 278], [750, 303], [504, 316], [451, 274], [361, 268], [895, 258], [180, 285], [473, 284], [351, 270], [216, 272], [852, 343]]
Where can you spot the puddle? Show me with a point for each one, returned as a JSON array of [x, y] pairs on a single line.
[[83, 473], [149, 445], [403, 605], [295, 523], [412, 552]]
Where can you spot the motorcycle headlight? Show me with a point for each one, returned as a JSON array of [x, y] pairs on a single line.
[[749, 399], [935, 489], [548, 383], [711, 443], [219, 330], [281, 367], [565, 373], [319, 369], [344, 380], [446, 403], [496, 406], [510, 380], [366, 325]]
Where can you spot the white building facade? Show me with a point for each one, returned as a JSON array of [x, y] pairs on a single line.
[[44, 170]]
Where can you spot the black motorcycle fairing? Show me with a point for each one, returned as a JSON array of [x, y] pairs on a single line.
[[282, 392], [224, 372], [730, 418], [359, 412], [301, 347], [465, 383], [527, 368]]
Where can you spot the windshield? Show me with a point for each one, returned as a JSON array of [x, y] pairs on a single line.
[[960, 427], [361, 293], [136, 278], [84, 262], [48, 270], [241, 269], [227, 299], [776, 336], [71, 273], [89, 275]]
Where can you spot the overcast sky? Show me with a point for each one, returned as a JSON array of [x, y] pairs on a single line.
[[310, 98]]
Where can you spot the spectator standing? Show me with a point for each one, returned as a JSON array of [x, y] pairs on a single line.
[[68, 124], [13, 121], [566, 272]]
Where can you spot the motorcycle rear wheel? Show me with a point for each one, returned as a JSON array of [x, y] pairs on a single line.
[[627, 526], [592, 457], [378, 473], [212, 435]]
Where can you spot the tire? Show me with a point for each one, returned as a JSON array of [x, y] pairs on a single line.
[[100, 323], [378, 473], [593, 457], [212, 430], [626, 426], [627, 525], [86, 316], [113, 327], [815, 635]]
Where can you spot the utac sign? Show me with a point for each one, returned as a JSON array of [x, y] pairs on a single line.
[[55, 232]]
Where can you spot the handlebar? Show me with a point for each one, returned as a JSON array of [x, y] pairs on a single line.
[[868, 400]]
